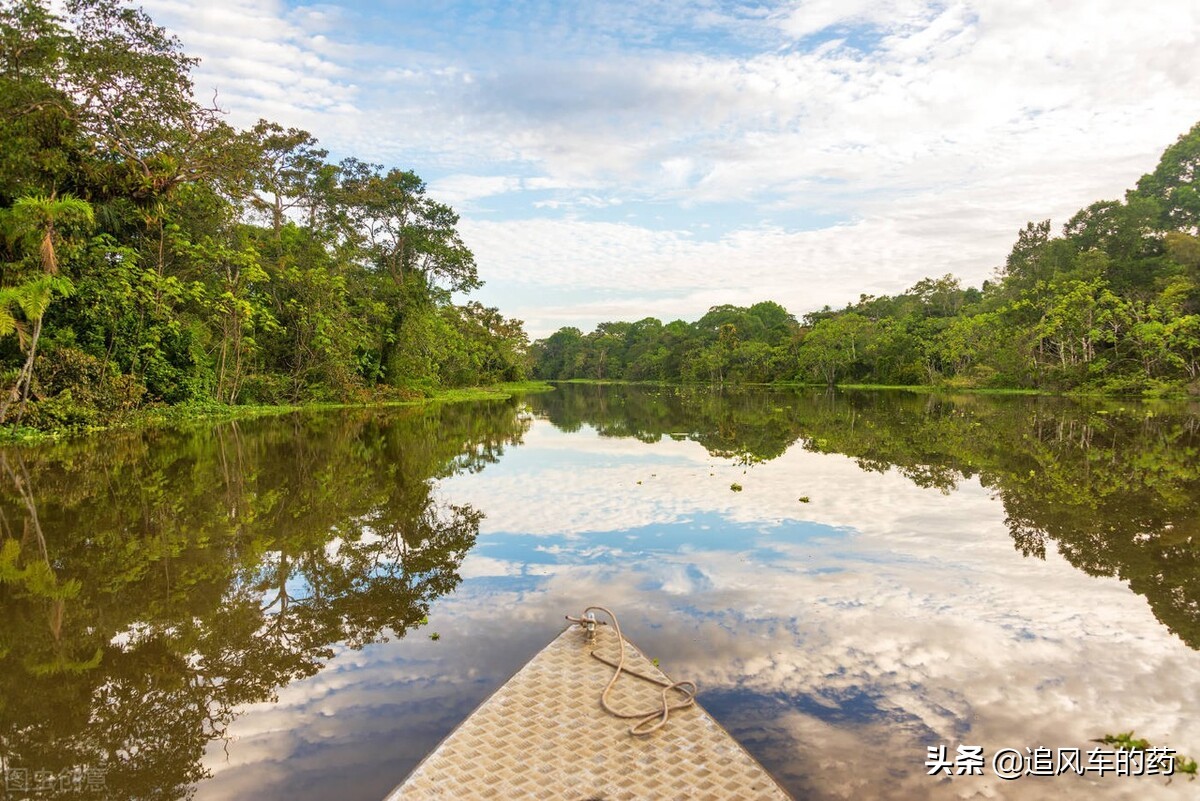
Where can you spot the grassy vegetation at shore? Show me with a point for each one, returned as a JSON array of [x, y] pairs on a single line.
[[944, 389], [951, 389], [929, 389], [215, 412]]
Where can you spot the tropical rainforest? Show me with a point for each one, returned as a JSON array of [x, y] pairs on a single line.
[[153, 254], [1110, 304]]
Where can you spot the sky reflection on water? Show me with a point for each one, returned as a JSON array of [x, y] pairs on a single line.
[[837, 639]]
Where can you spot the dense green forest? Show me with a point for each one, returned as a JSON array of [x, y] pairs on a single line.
[[1111, 304], [153, 254]]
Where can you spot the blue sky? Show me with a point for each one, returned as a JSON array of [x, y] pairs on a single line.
[[614, 160]]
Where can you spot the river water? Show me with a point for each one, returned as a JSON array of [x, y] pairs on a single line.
[[301, 607]]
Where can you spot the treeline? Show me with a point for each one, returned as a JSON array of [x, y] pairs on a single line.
[[1111, 304], [151, 253]]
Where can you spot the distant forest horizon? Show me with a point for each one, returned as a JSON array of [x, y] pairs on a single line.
[[1110, 304]]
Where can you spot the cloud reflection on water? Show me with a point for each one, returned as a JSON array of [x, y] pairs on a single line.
[[837, 639]]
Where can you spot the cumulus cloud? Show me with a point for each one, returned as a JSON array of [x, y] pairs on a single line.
[[461, 190], [636, 272], [912, 137]]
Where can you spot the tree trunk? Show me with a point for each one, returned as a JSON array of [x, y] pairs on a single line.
[[20, 389]]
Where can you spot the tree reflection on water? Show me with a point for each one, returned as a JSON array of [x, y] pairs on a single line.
[[1114, 485], [153, 583]]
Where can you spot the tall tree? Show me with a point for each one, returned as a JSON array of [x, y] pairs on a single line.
[[1173, 184], [288, 170]]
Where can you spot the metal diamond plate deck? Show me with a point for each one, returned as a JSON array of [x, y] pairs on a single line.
[[544, 735]]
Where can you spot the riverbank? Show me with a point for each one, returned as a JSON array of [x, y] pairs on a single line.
[[214, 412], [1169, 394], [927, 388]]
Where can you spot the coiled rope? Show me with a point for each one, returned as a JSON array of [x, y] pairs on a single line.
[[647, 723]]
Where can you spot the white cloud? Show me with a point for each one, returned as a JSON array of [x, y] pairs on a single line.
[[931, 130], [804, 18], [635, 272], [261, 59], [460, 190]]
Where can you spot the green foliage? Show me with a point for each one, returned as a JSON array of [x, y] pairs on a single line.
[[89, 380], [207, 264], [730, 344], [1184, 765], [29, 299], [1173, 184]]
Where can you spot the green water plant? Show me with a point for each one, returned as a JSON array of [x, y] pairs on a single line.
[[1184, 764]]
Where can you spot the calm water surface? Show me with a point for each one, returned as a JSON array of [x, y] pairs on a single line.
[[249, 610]]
